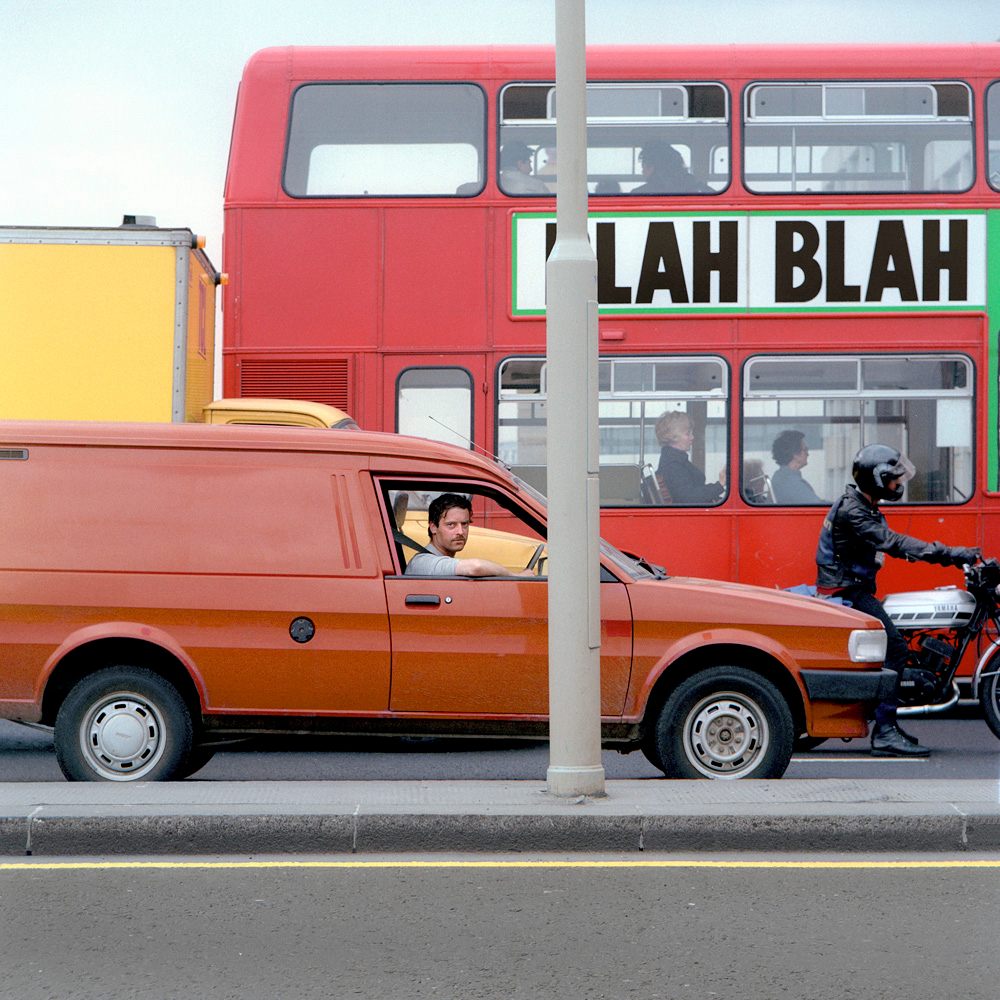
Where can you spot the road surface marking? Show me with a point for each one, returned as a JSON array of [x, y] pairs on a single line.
[[239, 865]]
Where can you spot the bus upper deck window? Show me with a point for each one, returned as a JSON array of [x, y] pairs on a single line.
[[993, 135], [623, 119], [882, 136], [386, 139]]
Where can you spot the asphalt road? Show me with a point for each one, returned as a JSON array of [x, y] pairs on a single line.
[[962, 747], [583, 930]]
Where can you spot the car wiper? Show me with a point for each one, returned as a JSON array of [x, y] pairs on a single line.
[[658, 571]]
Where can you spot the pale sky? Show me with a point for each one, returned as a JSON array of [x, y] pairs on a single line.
[[125, 106]]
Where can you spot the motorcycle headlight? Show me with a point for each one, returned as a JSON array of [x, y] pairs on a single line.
[[866, 645]]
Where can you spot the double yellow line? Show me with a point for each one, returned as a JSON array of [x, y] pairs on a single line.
[[12, 866]]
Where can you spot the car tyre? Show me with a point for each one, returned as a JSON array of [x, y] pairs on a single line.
[[651, 749], [725, 722], [123, 723]]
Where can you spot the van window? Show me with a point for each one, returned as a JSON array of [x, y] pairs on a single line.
[[500, 530]]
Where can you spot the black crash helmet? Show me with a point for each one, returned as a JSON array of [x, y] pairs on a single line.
[[875, 465]]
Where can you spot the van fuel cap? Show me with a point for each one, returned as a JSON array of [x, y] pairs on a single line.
[[302, 629]]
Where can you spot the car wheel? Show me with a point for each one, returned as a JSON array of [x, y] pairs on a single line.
[[651, 750], [725, 722], [123, 724]]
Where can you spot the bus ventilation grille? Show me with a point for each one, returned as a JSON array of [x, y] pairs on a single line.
[[325, 380]]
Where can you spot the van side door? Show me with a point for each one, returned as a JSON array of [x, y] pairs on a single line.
[[479, 646]]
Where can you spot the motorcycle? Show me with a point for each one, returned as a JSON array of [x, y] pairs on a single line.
[[940, 627]]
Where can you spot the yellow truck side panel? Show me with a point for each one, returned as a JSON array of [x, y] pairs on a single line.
[[200, 348], [105, 325]]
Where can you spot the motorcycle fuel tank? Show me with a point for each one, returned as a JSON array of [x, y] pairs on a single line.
[[943, 607]]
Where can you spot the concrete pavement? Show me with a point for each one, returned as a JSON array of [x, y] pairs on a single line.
[[345, 817]]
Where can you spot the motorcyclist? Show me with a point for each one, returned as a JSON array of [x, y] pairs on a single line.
[[853, 543]]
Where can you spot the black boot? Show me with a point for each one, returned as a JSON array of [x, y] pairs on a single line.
[[912, 740], [889, 741]]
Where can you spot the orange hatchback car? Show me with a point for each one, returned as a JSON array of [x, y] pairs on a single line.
[[168, 588]]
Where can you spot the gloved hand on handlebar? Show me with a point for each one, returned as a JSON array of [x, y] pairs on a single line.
[[960, 556]]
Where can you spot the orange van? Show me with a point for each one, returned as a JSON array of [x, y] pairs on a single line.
[[166, 588]]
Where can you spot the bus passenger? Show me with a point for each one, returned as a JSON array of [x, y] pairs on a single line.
[[853, 543], [665, 172], [756, 486], [548, 170], [683, 480], [448, 519], [789, 450], [515, 171]]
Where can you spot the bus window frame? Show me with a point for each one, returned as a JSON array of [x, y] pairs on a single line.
[[484, 164], [468, 442], [992, 176], [862, 396], [644, 397], [725, 124], [747, 123]]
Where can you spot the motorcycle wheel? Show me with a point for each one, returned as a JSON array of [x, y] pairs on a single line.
[[989, 698]]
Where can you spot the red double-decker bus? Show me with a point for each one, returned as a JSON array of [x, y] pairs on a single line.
[[797, 255]]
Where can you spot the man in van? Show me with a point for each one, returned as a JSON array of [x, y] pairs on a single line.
[[448, 519]]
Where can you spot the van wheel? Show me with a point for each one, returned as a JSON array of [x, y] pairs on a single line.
[[123, 724], [651, 750], [725, 722]]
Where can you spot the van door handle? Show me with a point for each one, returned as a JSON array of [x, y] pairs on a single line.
[[420, 599]]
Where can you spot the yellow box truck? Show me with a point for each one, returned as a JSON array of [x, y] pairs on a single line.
[[106, 324]]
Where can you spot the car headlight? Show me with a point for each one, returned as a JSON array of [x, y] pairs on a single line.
[[866, 645]]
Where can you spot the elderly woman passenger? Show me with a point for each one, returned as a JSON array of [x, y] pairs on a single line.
[[683, 480]]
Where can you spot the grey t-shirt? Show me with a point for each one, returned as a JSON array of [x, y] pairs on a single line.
[[433, 562]]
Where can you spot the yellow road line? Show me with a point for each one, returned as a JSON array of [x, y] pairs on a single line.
[[237, 865]]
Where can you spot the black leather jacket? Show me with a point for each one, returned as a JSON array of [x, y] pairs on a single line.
[[854, 536]]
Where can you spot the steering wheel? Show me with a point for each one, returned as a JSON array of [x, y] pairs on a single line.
[[535, 556]]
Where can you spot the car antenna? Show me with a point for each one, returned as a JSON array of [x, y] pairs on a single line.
[[472, 444]]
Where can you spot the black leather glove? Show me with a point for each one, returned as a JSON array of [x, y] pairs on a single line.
[[960, 556]]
